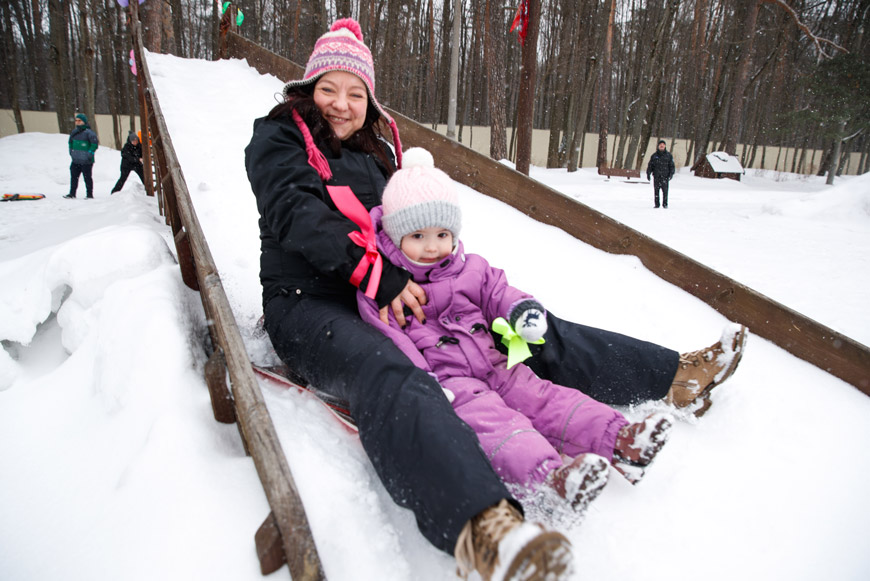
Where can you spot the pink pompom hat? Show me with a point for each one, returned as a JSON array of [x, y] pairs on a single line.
[[343, 49]]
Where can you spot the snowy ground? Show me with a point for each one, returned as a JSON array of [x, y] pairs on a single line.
[[113, 467]]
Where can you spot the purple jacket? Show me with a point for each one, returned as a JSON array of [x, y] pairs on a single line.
[[465, 294], [524, 424]]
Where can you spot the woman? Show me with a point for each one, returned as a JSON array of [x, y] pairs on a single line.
[[427, 458], [313, 258]]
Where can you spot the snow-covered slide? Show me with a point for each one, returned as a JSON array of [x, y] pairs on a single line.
[[212, 134]]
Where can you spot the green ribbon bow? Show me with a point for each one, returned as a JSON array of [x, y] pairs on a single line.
[[518, 348]]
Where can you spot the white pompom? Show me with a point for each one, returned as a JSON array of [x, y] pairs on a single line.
[[417, 157], [531, 325]]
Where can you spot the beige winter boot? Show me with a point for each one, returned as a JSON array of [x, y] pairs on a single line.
[[501, 546], [700, 371]]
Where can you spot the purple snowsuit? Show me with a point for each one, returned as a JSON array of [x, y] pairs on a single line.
[[524, 423]]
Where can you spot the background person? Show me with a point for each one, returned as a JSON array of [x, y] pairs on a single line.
[[661, 166], [131, 160], [83, 143]]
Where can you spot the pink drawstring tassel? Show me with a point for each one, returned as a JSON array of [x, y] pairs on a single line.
[[396, 143], [316, 159]]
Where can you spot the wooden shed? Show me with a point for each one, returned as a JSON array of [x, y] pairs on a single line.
[[718, 165]]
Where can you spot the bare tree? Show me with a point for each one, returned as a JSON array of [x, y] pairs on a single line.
[[151, 15], [745, 20], [604, 88], [87, 66], [453, 83], [8, 61], [526, 103], [495, 78], [560, 73], [177, 14], [698, 70], [58, 16]]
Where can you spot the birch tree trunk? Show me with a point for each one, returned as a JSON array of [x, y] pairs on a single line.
[[454, 70]]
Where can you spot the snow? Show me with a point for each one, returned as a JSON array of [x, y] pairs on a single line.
[[724, 163], [114, 468]]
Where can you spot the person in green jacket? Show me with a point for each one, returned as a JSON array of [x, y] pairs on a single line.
[[83, 143]]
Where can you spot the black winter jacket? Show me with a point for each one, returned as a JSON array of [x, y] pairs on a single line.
[[304, 243], [130, 155], [661, 165]]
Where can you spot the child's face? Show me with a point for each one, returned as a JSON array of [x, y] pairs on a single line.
[[428, 245]]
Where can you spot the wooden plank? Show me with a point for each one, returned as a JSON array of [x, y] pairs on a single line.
[[215, 378], [270, 551], [185, 260], [264, 61], [619, 172]]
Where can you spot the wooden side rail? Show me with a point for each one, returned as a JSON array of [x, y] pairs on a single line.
[[255, 424]]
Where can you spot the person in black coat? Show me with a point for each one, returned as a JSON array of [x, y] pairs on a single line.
[[131, 160], [661, 166], [317, 165]]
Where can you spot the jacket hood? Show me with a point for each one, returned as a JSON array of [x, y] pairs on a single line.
[[420, 272]]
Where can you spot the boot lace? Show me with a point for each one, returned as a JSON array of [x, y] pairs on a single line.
[[485, 531], [694, 358]]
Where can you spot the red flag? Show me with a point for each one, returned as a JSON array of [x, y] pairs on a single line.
[[521, 20]]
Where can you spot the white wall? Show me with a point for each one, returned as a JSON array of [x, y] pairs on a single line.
[[46, 122], [476, 137]]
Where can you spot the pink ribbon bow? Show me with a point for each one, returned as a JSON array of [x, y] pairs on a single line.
[[351, 207]]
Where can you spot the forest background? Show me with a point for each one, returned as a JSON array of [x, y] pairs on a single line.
[[749, 77]]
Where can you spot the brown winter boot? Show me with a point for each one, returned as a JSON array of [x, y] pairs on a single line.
[[700, 371], [501, 546], [580, 480], [637, 444]]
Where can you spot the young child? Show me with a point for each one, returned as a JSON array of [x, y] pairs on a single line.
[[534, 432], [131, 160]]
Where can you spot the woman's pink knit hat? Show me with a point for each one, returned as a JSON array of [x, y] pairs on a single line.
[[343, 49]]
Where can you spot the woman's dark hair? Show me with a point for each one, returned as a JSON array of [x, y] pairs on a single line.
[[368, 139]]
